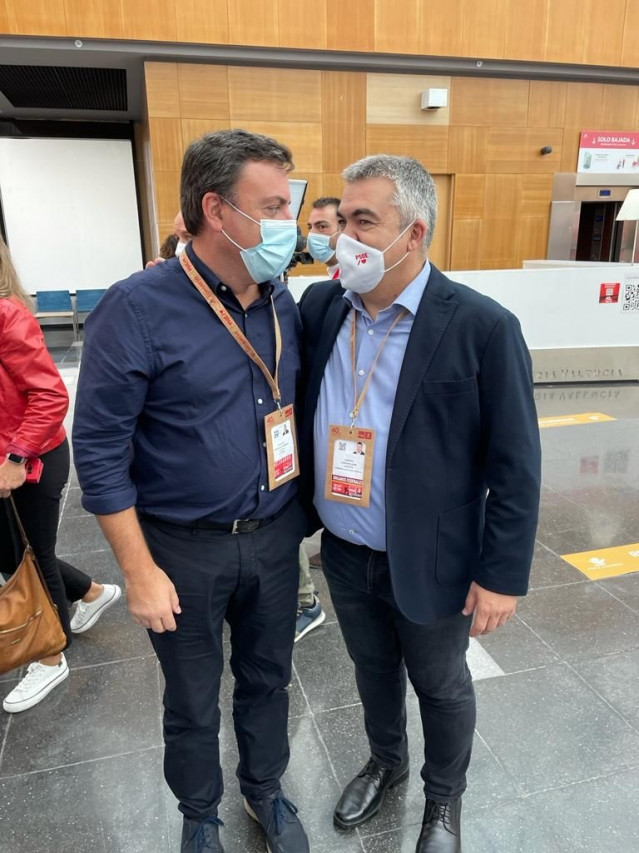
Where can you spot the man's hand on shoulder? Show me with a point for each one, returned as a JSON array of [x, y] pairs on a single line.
[[154, 263], [153, 600], [490, 609]]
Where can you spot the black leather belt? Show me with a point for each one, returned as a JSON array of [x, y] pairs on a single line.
[[239, 525]]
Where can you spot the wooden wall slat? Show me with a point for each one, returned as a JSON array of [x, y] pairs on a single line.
[[203, 91], [604, 31], [162, 91], [526, 23], [440, 32], [396, 99], [36, 17], [466, 239], [429, 145], [484, 28], [274, 94], [469, 196], [547, 104], [166, 144], [303, 138], [194, 128], [630, 39], [619, 107], [94, 18], [253, 23], [467, 149], [343, 118], [566, 31], [149, 20], [299, 29], [203, 21], [397, 33], [350, 25], [167, 195], [489, 102]]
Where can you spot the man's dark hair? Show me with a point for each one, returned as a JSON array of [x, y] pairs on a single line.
[[326, 201], [213, 164]]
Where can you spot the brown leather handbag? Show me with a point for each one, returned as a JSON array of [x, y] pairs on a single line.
[[30, 628]]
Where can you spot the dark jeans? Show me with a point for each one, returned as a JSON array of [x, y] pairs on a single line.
[[383, 645], [38, 505], [249, 579]]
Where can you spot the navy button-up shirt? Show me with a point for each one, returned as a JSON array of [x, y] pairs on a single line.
[[170, 410]]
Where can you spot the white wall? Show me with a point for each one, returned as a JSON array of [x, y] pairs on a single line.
[[70, 211], [557, 308]]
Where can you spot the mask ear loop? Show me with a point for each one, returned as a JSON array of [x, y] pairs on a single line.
[[393, 243]]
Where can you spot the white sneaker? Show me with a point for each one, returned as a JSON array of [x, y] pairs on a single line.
[[37, 683], [87, 613]]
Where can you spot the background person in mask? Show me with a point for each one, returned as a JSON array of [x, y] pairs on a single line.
[[432, 538], [201, 532], [324, 226]]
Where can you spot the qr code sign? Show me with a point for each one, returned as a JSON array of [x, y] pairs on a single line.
[[630, 301]]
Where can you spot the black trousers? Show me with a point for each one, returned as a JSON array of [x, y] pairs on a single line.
[[383, 645], [39, 507], [250, 580]]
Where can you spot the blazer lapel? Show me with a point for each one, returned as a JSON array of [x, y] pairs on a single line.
[[333, 320], [433, 316]]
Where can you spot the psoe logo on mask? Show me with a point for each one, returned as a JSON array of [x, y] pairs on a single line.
[[361, 258]]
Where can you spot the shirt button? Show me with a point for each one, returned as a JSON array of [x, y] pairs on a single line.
[[371, 332], [262, 488], [362, 372], [352, 532], [223, 287], [260, 401]]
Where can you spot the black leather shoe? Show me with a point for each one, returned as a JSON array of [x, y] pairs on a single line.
[[201, 836], [363, 796], [441, 830]]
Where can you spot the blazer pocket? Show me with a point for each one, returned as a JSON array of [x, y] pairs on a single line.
[[453, 386], [459, 535]]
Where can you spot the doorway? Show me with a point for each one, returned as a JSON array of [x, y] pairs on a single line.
[[599, 236]]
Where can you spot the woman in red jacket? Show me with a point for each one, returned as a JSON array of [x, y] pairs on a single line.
[[33, 403]]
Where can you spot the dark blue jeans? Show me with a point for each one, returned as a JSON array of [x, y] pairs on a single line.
[[250, 580], [384, 645]]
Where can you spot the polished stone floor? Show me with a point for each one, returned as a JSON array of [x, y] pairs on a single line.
[[556, 761]]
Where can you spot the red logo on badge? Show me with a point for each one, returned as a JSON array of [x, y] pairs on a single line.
[[361, 258]]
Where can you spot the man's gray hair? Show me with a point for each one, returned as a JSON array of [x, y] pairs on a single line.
[[214, 162], [415, 194]]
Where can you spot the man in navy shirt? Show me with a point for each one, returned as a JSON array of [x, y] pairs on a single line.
[[186, 366]]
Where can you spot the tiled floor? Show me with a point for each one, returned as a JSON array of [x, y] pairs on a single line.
[[556, 762]]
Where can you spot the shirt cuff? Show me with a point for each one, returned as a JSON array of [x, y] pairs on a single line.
[[110, 503]]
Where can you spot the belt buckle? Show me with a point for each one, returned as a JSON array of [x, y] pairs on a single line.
[[245, 525]]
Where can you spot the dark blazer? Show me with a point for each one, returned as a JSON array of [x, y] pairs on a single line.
[[463, 458]]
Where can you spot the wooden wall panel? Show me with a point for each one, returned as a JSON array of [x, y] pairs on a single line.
[[502, 198], [467, 149], [532, 239], [470, 191], [630, 40], [516, 151], [498, 244], [440, 31], [526, 30], [489, 102], [333, 184], [162, 92], [167, 195], [604, 31], [350, 25], [203, 21], [299, 29], [4, 18], [274, 94], [94, 18], [194, 128], [396, 33], [566, 31], [343, 118], [484, 28], [203, 91], [303, 138], [439, 251], [36, 17], [584, 105], [396, 99], [466, 240], [429, 145], [150, 20], [547, 104], [536, 193], [166, 144], [619, 107], [253, 23]]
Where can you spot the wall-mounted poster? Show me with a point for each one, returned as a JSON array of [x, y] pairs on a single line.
[[609, 152]]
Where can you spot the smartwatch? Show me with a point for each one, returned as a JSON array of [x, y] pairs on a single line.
[[18, 460]]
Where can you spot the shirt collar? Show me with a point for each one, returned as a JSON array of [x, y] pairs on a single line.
[[266, 288], [409, 298]]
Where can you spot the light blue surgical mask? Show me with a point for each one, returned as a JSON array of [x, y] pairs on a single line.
[[319, 246], [272, 256]]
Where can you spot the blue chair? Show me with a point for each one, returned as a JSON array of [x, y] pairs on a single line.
[[56, 303]]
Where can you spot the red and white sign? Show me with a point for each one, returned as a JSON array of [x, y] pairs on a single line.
[[607, 151], [609, 291]]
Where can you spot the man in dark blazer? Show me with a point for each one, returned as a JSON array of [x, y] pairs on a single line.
[[442, 547]]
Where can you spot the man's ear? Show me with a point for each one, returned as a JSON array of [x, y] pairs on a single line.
[[212, 205], [417, 233]]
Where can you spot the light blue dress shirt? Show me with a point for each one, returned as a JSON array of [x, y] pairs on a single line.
[[363, 525]]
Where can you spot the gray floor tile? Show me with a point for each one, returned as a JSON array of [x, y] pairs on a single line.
[[97, 711], [114, 637], [548, 569], [625, 588], [580, 620], [72, 504], [616, 679], [515, 647], [325, 670], [80, 534], [110, 805], [547, 728], [101, 566]]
